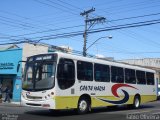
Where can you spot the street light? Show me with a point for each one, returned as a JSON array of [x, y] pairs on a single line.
[[109, 37]]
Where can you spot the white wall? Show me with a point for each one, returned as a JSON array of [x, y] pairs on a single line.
[[153, 63], [30, 49]]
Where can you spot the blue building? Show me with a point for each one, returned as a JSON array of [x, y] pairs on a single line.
[[9, 58]]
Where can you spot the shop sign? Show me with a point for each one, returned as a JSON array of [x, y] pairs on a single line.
[[6, 65]]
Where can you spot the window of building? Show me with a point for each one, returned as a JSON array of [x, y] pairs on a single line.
[[140, 77], [130, 76], [150, 78], [117, 74], [101, 73], [66, 73], [84, 71]]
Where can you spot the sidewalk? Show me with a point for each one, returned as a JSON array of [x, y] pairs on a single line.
[[11, 104]]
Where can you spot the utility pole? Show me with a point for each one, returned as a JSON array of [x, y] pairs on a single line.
[[90, 22], [85, 13]]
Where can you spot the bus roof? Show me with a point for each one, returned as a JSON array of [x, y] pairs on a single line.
[[100, 61]]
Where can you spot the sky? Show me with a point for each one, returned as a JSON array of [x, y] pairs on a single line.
[[34, 19]]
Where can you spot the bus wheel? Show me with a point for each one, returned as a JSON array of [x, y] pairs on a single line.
[[83, 106], [136, 102]]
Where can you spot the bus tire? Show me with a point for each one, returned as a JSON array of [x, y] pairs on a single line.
[[83, 105], [136, 102]]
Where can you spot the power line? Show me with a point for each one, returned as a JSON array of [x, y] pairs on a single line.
[[50, 30], [72, 34], [14, 42], [62, 6], [26, 18], [13, 23], [122, 11], [19, 16], [131, 25], [134, 35], [54, 7], [128, 5], [83, 25], [69, 4], [147, 52], [18, 21], [140, 16], [106, 2]]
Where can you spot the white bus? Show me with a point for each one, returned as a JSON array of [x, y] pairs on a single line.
[[63, 81]]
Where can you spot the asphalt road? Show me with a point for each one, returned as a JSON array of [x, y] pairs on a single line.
[[146, 111]]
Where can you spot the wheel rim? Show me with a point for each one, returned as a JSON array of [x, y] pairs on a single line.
[[83, 105], [137, 102]]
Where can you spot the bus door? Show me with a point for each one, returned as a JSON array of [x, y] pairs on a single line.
[[66, 81]]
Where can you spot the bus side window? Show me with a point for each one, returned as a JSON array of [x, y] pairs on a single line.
[[101, 73], [117, 74], [130, 76], [141, 79], [150, 78], [84, 71], [66, 73]]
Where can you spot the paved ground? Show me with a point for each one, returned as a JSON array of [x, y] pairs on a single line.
[[147, 111]]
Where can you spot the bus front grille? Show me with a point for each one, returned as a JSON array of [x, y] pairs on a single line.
[[34, 97]]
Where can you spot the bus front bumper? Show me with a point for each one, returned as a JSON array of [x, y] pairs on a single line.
[[48, 104]]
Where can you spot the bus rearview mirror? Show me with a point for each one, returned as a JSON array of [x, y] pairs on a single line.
[[18, 66]]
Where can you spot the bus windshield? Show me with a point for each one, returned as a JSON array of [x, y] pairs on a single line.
[[39, 73]]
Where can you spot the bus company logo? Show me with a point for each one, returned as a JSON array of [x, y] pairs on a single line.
[[114, 92]]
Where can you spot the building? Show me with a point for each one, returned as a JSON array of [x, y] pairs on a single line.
[[10, 56], [152, 63]]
